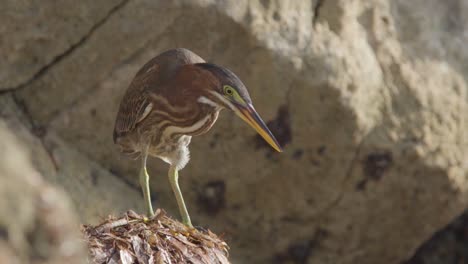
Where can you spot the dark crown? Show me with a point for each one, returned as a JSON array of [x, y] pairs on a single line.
[[227, 77]]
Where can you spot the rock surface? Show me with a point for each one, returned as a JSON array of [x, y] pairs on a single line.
[[35, 35], [37, 224], [368, 98]]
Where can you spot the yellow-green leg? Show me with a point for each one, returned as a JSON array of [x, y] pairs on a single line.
[[174, 180], [144, 183]]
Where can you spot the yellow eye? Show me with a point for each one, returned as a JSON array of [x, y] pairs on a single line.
[[228, 90]]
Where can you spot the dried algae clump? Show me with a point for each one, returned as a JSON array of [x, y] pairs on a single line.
[[133, 238]]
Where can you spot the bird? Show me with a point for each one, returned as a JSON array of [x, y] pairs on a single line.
[[175, 96]]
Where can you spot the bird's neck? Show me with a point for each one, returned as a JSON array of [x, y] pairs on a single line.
[[194, 127]]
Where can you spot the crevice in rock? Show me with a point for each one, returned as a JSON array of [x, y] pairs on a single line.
[[347, 176], [37, 130], [318, 5], [322, 213], [86, 92], [44, 69]]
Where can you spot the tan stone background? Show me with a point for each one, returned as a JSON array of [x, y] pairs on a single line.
[[368, 97]]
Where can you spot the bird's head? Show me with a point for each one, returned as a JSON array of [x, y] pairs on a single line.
[[229, 92]]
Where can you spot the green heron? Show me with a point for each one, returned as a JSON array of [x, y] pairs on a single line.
[[175, 96]]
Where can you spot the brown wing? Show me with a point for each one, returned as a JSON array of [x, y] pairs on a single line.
[[148, 80]]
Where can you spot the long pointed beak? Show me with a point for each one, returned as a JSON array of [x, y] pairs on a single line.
[[251, 117]]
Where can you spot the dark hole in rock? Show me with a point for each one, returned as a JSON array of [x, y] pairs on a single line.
[[212, 196], [376, 164], [385, 20], [214, 140], [39, 131], [298, 253], [298, 153], [314, 161], [265, 3], [94, 177], [361, 185], [4, 233], [321, 150], [301, 251], [276, 16]]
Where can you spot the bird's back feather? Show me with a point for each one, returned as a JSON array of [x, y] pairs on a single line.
[[149, 79]]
